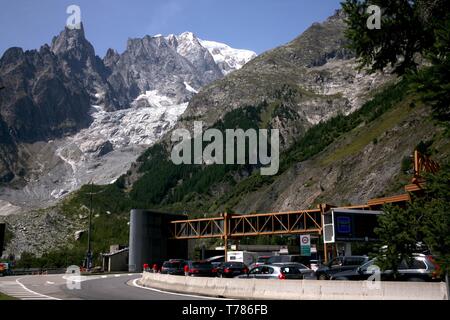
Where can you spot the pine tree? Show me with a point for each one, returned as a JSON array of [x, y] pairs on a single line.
[[411, 31], [399, 231]]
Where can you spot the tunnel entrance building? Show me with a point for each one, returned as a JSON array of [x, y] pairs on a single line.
[[2, 237], [150, 241]]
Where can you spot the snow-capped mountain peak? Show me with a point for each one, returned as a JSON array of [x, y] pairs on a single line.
[[228, 59]]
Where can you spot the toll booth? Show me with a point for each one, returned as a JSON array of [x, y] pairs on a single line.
[[346, 226], [150, 240]]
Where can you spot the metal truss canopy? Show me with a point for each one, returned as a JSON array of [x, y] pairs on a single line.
[[234, 226]]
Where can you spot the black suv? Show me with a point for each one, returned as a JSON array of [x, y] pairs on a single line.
[[421, 268], [339, 264], [201, 269], [173, 267], [231, 269]]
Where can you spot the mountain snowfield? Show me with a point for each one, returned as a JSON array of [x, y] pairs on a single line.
[[227, 58], [105, 150]]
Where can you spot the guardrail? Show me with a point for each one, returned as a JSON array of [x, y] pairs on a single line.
[[35, 271], [246, 289]]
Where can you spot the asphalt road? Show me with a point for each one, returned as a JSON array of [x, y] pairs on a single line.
[[59, 287]]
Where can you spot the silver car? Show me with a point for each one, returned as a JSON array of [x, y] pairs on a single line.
[[290, 271]]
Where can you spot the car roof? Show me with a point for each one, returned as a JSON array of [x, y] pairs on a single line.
[[289, 264], [215, 257], [280, 265]]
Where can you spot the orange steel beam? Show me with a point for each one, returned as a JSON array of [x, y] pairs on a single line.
[[196, 220], [415, 187], [423, 164], [229, 226], [394, 199]]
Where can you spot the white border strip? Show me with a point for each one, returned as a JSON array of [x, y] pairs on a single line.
[[176, 294]]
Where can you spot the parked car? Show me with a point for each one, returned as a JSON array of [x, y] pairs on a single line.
[[201, 269], [340, 264], [421, 268], [290, 258], [4, 269], [173, 267], [281, 272], [231, 269], [216, 261], [260, 261]]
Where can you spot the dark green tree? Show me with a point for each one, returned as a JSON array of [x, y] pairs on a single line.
[[426, 219], [399, 231], [435, 226], [411, 31], [407, 29], [433, 83], [27, 260]]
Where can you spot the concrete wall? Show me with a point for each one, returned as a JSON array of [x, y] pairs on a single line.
[[295, 289], [118, 262], [149, 239], [2, 237]]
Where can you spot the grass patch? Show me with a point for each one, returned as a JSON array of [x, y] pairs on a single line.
[[4, 297], [369, 133]]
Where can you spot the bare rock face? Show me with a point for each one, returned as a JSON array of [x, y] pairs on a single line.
[[78, 61], [8, 154], [38, 232], [40, 101], [170, 65]]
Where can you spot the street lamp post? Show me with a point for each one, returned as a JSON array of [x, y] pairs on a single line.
[[91, 210], [89, 250]]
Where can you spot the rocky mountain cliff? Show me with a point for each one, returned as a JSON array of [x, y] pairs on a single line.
[[68, 117]]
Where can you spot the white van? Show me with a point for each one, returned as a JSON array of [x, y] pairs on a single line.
[[245, 257]]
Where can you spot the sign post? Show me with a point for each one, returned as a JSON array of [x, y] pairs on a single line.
[[305, 246]]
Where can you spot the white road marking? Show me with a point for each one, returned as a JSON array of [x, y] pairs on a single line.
[[17, 290], [117, 275], [104, 277], [175, 294], [49, 282], [37, 294]]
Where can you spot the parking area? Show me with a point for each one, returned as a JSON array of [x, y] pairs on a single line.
[[419, 268]]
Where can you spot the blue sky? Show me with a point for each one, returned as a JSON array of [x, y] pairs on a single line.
[[257, 25]]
